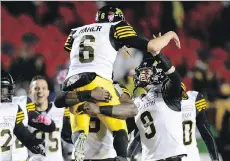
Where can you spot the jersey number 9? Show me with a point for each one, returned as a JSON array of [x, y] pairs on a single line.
[[147, 120]]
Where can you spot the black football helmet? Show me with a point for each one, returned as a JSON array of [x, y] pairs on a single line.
[[109, 14], [157, 77], [7, 87]]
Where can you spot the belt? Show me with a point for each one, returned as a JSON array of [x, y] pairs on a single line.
[[174, 157]]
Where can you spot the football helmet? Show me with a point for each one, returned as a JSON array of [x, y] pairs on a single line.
[[7, 87], [154, 75], [109, 14]]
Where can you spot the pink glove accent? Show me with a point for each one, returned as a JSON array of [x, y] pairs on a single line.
[[43, 119]]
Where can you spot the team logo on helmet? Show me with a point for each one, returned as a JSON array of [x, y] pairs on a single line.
[[110, 16]]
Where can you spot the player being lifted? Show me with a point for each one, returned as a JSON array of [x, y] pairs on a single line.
[[93, 51], [159, 111], [99, 135], [11, 119], [193, 112]]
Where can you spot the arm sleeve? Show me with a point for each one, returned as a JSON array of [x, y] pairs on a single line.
[[131, 125], [60, 100], [171, 87], [135, 146], [66, 130], [33, 115], [204, 128], [69, 41], [120, 89], [126, 35], [20, 116], [30, 106], [22, 133]]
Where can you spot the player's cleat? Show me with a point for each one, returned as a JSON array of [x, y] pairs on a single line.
[[79, 147]]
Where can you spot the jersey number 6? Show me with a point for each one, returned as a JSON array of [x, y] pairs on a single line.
[[86, 53], [147, 120]]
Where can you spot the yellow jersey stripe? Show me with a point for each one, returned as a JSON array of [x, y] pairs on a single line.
[[31, 110], [201, 109], [30, 107], [128, 35], [122, 30], [28, 104], [21, 115], [125, 33], [204, 106], [200, 101], [126, 91], [68, 48], [19, 119], [123, 27], [20, 112]]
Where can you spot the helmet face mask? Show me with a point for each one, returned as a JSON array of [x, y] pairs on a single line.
[[144, 77], [7, 87], [109, 14]]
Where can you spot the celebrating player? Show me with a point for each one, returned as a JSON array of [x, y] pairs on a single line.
[[193, 109], [39, 93], [11, 119], [93, 51]]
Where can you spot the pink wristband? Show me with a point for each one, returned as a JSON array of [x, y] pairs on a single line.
[[43, 119]]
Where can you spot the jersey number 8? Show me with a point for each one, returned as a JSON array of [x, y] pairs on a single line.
[[86, 53]]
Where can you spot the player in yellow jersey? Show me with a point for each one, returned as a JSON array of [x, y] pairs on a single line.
[[93, 49]]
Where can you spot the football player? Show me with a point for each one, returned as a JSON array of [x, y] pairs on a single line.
[[93, 49], [32, 118], [99, 135], [159, 110], [11, 119], [39, 93], [193, 112]]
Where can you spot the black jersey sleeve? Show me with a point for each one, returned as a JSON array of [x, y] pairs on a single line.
[[124, 34], [204, 127]]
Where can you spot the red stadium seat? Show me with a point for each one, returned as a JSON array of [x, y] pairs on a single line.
[[219, 53], [6, 60]]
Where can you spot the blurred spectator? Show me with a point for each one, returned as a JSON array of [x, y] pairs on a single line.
[[39, 65], [22, 67], [183, 67], [213, 86], [199, 77]]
